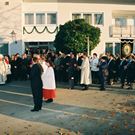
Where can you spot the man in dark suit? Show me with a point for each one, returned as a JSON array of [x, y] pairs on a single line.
[[102, 72], [123, 71], [111, 69], [36, 84], [130, 71]]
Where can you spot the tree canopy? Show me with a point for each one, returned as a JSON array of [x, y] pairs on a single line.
[[72, 36]]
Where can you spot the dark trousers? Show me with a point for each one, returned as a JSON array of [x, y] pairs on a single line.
[[95, 79], [122, 77], [102, 80], [37, 98]]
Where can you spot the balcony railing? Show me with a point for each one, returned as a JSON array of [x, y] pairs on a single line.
[[122, 31]]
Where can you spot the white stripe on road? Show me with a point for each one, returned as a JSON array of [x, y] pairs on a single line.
[[16, 103], [16, 93], [58, 111], [18, 86]]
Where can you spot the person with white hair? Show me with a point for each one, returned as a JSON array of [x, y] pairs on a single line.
[[3, 71]]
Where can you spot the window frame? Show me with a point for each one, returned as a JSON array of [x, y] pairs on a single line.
[[98, 13], [91, 17], [47, 18], [77, 14], [29, 24], [44, 18], [121, 23]]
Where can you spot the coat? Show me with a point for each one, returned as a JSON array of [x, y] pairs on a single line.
[[3, 72], [36, 85], [85, 72]]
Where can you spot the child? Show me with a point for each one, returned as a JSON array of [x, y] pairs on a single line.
[[49, 86]]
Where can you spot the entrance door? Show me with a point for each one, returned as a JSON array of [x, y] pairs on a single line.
[[4, 48]]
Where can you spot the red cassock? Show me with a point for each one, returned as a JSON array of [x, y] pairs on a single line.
[[49, 85]]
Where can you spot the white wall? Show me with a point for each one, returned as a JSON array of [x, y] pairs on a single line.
[[10, 19]]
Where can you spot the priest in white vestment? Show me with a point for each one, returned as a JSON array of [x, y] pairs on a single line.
[[3, 71], [85, 72]]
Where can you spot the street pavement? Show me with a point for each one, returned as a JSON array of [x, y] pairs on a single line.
[[16, 101]]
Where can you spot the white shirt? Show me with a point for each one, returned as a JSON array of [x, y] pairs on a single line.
[[94, 64]]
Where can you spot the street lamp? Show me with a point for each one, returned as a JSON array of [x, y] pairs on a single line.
[[13, 35]]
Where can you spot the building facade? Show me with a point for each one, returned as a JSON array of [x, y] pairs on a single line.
[[34, 23]]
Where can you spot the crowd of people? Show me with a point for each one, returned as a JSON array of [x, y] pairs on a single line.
[[75, 69]]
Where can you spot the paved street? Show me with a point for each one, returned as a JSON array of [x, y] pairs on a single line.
[[92, 112]]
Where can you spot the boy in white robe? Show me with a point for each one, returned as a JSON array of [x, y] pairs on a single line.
[[49, 84]]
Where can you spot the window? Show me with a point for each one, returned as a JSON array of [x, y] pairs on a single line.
[[117, 48], [109, 48], [76, 16], [40, 18], [51, 18], [29, 18], [121, 22], [99, 19], [87, 18]]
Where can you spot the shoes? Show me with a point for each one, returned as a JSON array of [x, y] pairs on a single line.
[[35, 110], [49, 100], [130, 88], [85, 88], [70, 88], [102, 89]]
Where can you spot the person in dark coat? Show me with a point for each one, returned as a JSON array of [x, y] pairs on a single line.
[[123, 71], [117, 63], [72, 70], [111, 69], [130, 72], [103, 72], [36, 84], [24, 69], [18, 63]]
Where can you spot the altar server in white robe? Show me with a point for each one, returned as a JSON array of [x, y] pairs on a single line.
[[3, 71], [49, 84]]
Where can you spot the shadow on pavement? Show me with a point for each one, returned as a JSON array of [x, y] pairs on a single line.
[[88, 121]]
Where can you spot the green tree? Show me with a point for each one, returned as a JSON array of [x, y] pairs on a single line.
[[72, 36]]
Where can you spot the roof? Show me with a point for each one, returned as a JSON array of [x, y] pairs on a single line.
[[127, 2]]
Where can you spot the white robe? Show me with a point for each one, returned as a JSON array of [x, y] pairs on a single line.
[[48, 79], [85, 72], [44, 66], [3, 72]]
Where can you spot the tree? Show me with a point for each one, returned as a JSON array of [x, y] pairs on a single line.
[[72, 36]]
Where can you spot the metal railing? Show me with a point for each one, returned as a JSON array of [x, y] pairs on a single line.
[[122, 31]]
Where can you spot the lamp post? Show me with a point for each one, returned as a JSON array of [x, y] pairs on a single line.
[[89, 43], [13, 35], [88, 46]]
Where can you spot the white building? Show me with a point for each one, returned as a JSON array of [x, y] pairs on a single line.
[[34, 23]]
